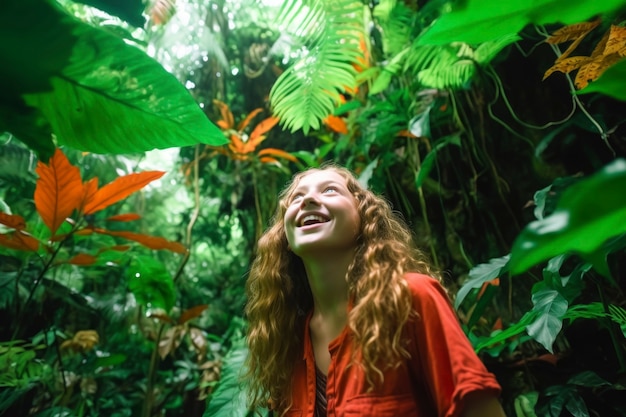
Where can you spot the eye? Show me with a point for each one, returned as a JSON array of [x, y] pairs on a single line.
[[330, 189], [295, 197]]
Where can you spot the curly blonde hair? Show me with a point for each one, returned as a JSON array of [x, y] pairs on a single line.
[[279, 296]]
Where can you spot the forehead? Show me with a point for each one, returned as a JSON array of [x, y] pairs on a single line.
[[320, 177]]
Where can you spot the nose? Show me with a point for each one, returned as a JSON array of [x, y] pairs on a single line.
[[309, 198]]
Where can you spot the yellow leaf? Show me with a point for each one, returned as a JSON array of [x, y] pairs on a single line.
[[572, 32], [567, 65], [616, 41]]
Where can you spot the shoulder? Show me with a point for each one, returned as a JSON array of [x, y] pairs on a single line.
[[423, 284]]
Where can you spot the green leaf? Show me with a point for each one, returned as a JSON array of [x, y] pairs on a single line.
[[550, 306], [611, 82], [481, 274], [588, 214], [106, 96], [229, 399], [588, 379], [309, 91], [150, 283], [476, 21], [430, 159]]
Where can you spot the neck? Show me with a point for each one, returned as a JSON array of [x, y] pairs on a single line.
[[326, 274]]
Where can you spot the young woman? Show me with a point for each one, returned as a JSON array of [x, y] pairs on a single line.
[[346, 317]]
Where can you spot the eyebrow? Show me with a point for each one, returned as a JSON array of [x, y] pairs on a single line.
[[321, 184]]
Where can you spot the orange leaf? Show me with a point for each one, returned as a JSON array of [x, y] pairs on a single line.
[[336, 124], [251, 145], [82, 259], [13, 221], [120, 248], [227, 116], [222, 124], [192, 313], [128, 217], [59, 190], [406, 134], [269, 160], [162, 317], [242, 125], [567, 65], [90, 188], [120, 188], [279, 153], [19, 241], [152, 242], [236, 144], [263, 127]]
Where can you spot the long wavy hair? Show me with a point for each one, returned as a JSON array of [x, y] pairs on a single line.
[[279, 296]]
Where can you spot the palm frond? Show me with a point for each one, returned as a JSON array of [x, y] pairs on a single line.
[[309, 90]]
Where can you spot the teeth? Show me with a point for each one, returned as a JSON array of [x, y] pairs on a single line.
[[312, 217]]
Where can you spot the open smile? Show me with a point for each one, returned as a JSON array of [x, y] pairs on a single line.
[[312, 219]]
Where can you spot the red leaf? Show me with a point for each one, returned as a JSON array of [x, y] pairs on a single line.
[[192, 313], [82, 259], [120, 188], [59, 190], [152, 242], [128, 217], [13, 221], [19, 241]]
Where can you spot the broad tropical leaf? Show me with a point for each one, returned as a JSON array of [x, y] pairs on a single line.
[[59, 190], [476, 21], [229, 400], [550, 307], [151, 284], [105, 97], [480, 274], [120, 188], [586, 216]]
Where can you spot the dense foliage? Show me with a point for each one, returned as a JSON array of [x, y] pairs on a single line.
[[495, 128]]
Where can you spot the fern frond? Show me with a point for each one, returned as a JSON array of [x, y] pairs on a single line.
[[309, 90], [396, 21], [487, 51]]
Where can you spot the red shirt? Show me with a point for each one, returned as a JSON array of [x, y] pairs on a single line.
[[442, 371]]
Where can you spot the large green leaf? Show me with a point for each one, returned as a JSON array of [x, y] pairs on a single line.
[[229, 399], [151, 284], [107, 96], [479, 275], [550, 306], [588, 214], [611, 82], [476, 21]]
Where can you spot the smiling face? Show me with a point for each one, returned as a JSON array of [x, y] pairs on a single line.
[[321, 215]]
